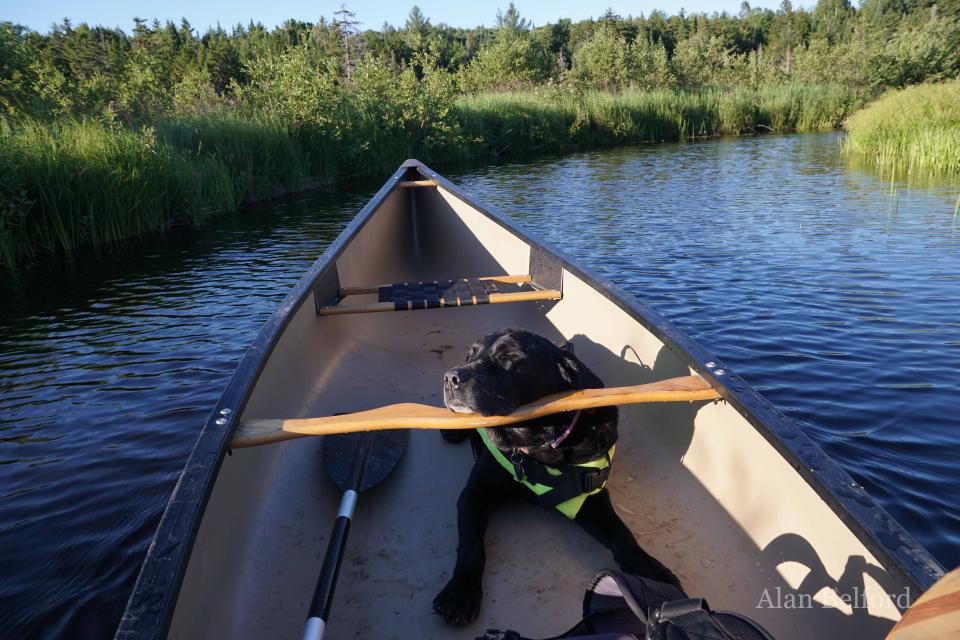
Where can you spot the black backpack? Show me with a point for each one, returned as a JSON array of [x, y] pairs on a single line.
[[624, 607]]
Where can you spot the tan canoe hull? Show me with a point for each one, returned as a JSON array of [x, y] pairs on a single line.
[[728, 494]]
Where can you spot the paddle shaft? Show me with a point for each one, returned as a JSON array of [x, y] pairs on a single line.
[[323, 595], [418, 416], [935, 615]]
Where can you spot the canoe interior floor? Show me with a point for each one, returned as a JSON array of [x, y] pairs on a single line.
[[262, 540]]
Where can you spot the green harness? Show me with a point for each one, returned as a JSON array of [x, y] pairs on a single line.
[[565, 488]]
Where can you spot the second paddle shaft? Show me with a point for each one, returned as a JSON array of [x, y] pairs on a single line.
[[323, 595]]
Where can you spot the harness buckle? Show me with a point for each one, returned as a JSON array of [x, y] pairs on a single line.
[[516, 459], [595, 479]]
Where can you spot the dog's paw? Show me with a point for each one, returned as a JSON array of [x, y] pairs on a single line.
[[459, 601], [454, 436], [669, 577]]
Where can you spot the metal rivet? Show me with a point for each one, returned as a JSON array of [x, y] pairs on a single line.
[[226, 411], [221, 421], [719, 372], [711, 365]]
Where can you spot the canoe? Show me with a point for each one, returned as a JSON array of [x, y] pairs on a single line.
[[728, 493]]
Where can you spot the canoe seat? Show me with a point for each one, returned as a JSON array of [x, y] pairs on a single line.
[[430, 295], [436, 294]]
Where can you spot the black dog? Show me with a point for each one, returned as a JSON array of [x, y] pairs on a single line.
[[504, 370]]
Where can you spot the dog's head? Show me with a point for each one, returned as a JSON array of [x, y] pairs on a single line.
[[509, 368]]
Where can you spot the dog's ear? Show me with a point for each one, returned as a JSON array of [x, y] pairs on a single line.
[[570, 369], [576, 374]]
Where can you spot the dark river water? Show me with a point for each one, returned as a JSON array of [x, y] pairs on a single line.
[[834, 294]]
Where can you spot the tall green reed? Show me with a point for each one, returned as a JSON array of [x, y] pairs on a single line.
[[82, 182], [557, 119], [75, 183], [912, 133]]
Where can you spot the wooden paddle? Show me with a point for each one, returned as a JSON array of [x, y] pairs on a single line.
[[355, 462], [409, 415], [935, 615]]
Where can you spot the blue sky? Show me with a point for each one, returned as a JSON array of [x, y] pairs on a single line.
[[40, 14]]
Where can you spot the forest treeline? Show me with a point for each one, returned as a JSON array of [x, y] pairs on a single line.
[[106, 134], [161, 68]]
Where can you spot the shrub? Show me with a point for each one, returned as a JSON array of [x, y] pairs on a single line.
[[17, 75], [926, 52], [295, 86], [700, 59], [606, 61], [514, 60], [195, 94]]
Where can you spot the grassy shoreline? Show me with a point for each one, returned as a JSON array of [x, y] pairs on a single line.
[[523, 122], [912, 133], [71, 183]]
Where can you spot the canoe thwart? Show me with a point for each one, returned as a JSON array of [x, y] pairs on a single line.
[[410, 415], [354, 291], [410, 184], [436, 294], [413, 305]]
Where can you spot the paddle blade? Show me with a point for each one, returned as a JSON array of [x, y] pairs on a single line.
[[340, 456]]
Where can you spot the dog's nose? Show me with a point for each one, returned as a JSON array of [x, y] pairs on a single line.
[[455, 378]]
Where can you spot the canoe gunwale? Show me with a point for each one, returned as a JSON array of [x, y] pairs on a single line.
[[150, 607]]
